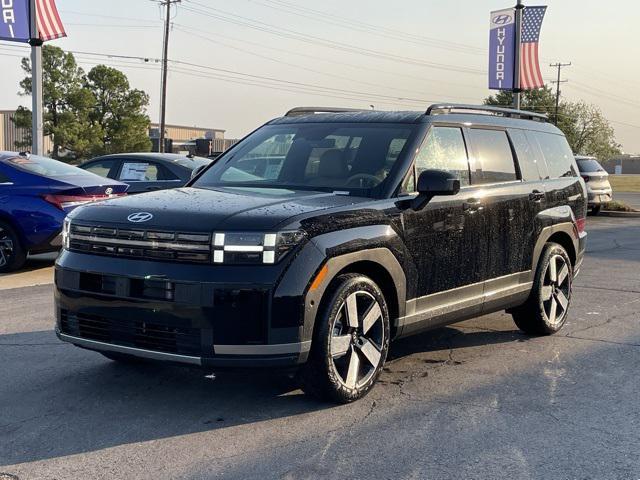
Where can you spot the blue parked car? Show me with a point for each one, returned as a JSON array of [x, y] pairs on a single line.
[[36, 193]]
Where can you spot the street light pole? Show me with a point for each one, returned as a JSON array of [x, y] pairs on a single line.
[[516, 67], [37, 136]]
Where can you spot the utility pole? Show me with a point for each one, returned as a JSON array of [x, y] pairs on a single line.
[[37, 137], [559, 66], [516, 66], [165, 64]]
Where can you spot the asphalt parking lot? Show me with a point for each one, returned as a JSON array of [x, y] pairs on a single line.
[[473, 400]]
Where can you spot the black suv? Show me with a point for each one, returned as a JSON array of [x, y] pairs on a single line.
[[327, 233]]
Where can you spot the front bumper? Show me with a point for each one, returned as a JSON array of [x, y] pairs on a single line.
[[228, 356], [192, 314]]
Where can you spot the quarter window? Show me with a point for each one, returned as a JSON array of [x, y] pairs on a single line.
[[557, 154], [494, 156], [444, 149]]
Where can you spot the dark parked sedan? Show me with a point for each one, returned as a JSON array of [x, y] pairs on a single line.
[[145, 172]]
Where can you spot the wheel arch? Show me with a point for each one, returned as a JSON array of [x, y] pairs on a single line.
[[564, 240], [379, 264]]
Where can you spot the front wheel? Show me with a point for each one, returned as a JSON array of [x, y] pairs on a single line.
[[350, 342], [545, 312]]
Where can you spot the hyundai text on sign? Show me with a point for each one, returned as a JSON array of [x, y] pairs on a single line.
[[14, 22], [502, 49]]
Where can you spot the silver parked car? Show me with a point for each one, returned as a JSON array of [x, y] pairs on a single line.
[[597, 180]]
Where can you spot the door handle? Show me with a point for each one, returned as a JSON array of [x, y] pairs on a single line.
[[472, 205], [536, 196]]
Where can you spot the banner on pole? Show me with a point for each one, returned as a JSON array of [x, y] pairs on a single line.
[[502, 39], [14, 25], [530, 73]]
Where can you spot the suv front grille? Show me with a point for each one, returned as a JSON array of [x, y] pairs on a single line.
[[157, 336], [149, 244]]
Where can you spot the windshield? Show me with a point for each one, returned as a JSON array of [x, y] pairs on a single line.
[[356, 158], [589, 165], [44, 166]]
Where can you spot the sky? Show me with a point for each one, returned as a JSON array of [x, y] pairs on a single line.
[[238, 63]]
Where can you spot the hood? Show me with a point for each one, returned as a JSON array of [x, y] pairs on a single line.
[[204, 210]]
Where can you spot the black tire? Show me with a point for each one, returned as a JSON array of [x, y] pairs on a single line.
[[12, 254], [546, 310], [332, 372], [595, 210], [123, 358]]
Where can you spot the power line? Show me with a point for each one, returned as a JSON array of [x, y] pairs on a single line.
[[376, 30], [291, 34], [299, 67]]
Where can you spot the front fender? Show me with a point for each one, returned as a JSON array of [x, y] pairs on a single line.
[[377, 244]]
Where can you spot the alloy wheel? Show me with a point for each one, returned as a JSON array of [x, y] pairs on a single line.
[[6, 247], [357, 339], [556, 290]]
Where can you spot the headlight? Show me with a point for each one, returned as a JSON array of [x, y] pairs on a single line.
[[66, 227], [252, 247]]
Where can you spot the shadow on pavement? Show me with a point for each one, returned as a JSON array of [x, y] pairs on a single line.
[[71, 401]]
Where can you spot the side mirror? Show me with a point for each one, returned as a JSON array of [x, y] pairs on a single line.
[[433, 183], [196, 171]]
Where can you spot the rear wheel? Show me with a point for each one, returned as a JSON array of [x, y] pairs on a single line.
[[545, 312], [12, 255], [595, 210], [350, 342]]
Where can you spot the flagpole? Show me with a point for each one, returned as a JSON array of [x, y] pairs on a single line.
[[516, 67], [37, 137]]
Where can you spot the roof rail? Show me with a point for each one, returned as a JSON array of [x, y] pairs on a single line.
[[447, 108], [294, 112]]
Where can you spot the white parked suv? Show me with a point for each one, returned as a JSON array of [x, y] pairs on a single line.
[[597, 180]]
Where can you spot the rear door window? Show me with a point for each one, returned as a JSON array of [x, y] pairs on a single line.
[[527, 156], [494, 157], [139, 171], [557, 154], [444, 149]]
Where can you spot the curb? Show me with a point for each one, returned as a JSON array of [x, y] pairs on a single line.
[[609, 213]]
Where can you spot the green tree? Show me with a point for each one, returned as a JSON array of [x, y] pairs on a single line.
[[65, 101], [86, 114], [119, 112], [587, 130]]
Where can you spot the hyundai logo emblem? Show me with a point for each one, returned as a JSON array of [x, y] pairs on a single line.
[[108, 191], [140, 217], [502, 19]]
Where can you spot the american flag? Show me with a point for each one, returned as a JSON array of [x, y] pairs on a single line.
[[49, 24], [530, 74]]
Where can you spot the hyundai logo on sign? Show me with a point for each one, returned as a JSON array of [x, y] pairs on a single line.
[[140, 217], [502, 19], [502, 49]]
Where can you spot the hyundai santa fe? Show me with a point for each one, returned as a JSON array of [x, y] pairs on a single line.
[[326, 234]]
